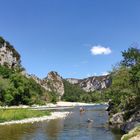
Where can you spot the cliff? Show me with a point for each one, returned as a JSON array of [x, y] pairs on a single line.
[[9, 57], [92, 83], [54, 82]]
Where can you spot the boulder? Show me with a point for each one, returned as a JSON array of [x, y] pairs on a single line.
[[117, 119], [132, 122]]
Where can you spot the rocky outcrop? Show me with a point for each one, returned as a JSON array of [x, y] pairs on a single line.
[[117, 119], [126, 120], [8, 55], [54, 82], [92, 83], [132, 122]]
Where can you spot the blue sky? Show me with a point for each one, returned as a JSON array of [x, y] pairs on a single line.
[[76, 38]]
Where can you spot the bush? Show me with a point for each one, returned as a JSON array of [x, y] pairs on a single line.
[[16, 89]]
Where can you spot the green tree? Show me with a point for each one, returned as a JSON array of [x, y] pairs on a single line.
[[132, 61]]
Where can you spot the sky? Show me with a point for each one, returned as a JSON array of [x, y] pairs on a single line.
[[76, 38]]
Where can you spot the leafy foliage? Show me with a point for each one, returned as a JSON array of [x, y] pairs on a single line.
[[16, 89], [125, 88]]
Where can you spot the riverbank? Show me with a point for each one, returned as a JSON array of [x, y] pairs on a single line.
[[62, 103], [67, 104], [132, 135], [29, 114], [19, 114], [127, 121], [54, 115], [51, 105]]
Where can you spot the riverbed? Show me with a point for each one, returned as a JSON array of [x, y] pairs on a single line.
[[73, 127]]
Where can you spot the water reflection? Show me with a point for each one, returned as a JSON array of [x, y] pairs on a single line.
[[16, 132], [54, 128]]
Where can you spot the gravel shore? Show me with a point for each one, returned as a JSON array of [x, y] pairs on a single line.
[[58, 104]]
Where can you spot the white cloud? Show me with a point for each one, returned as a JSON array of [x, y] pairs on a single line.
[[98, 50]]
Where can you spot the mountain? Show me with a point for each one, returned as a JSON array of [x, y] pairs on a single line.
[[92, 83], [8, 55], [53, 83]]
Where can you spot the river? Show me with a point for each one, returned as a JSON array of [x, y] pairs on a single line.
[[74, 127]]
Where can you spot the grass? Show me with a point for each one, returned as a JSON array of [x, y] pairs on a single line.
[[131, 134], [19, 114]]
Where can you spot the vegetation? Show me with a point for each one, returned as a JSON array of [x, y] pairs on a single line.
[[16, 89], [124, 91], [125, 88], [1, 41], [19, 114], [52, 97], [74, 93]]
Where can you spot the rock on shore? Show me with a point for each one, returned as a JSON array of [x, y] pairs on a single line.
[[127, 125]]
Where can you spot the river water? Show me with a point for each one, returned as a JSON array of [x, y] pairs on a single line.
[[74, 127]]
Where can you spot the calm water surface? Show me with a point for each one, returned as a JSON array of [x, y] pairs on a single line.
[[74, 127]]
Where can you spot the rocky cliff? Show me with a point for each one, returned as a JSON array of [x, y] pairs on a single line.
[[8, 55], [92, 83], [54, 82]]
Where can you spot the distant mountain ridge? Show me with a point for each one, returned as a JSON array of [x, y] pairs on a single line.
[[54, 83], [92, 83]]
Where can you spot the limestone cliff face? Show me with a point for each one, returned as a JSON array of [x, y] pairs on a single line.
[[53, 82], [8, 55], [92, 83]]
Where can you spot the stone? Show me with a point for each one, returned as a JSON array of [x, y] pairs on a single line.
[[8, 57], [117, 118], [132, 122]]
